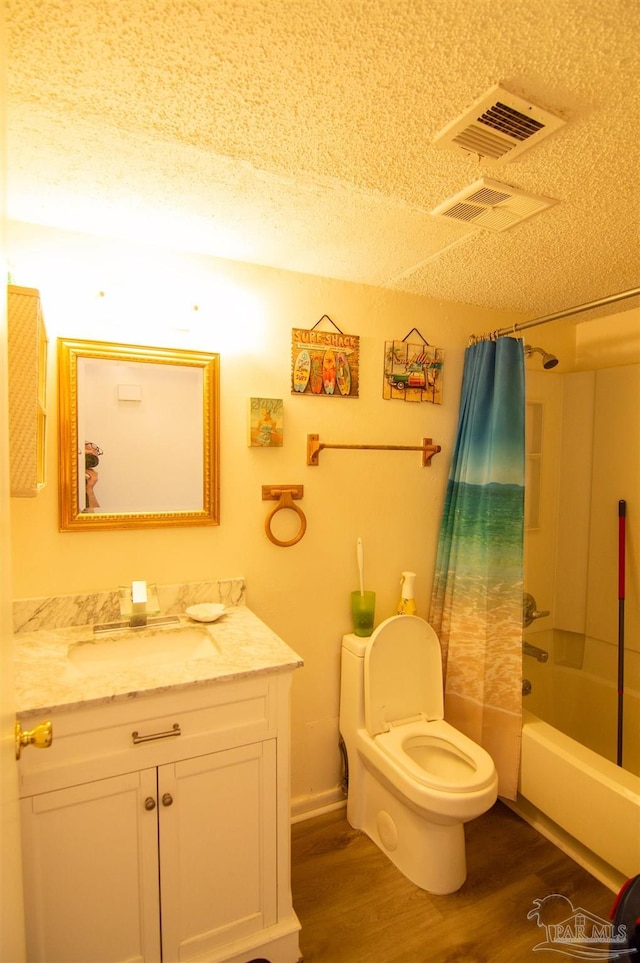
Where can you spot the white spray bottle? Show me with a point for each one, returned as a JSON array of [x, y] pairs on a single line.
[[407, 604]]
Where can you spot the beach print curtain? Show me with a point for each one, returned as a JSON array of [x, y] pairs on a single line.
[[476, 607]]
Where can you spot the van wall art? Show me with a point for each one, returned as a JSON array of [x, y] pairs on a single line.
[[412, 371]]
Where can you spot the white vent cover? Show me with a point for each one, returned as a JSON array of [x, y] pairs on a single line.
[[498, 127], [491, 206]]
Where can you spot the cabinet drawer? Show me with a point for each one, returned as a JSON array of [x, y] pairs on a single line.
[[94, 742]]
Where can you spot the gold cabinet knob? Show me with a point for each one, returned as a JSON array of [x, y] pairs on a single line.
[[41, 736], [149, 803], [167, 799]]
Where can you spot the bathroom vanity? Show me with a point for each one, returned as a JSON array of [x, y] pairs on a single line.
[[157, 825]]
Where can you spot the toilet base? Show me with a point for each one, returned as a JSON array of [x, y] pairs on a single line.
[[429, 854]]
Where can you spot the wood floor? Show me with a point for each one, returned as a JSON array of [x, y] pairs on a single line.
[[355, 907]]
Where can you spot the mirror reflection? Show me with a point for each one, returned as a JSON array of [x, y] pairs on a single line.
[[138, 436]]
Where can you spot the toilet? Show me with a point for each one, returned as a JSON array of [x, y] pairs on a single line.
[[413, 780]]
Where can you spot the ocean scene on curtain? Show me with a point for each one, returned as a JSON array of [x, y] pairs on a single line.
[[476, 606]]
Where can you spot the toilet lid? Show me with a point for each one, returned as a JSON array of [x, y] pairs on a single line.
[[402, 673]]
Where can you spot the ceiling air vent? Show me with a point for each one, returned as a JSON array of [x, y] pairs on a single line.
[[497, 128], [491, 206]]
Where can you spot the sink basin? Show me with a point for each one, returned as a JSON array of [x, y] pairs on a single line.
[[142, 647]]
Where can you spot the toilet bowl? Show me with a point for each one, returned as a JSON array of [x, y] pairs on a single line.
[[414, 780]]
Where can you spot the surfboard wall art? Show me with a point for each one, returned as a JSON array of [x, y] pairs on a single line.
[[324, 363]]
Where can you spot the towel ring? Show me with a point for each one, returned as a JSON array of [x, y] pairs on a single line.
[[285, 500]]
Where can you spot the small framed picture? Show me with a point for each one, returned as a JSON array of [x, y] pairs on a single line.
[[266, 429]]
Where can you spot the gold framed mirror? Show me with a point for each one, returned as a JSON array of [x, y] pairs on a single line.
[[138, 436]]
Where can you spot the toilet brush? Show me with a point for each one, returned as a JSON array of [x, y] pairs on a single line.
[[362, 603]]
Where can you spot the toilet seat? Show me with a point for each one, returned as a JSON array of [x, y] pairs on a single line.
[[404, 711], [438, 756], [402, 673]]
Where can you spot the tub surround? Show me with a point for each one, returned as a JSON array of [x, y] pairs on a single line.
[[574, 691]]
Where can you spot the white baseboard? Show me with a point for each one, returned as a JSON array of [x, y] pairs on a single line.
[[306, 807]]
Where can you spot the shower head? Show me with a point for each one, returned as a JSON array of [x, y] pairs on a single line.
[[548, 360]]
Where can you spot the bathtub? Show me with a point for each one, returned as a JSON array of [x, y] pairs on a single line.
[[572, 794]]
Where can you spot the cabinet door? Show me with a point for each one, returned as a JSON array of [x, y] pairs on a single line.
[[217, 818], [91, 872]]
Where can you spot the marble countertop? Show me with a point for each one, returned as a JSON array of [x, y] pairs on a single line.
[[46, 680]]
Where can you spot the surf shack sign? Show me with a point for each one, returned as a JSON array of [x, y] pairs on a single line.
[[325, 362]]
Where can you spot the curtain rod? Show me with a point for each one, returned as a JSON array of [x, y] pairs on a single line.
[[611, 299]]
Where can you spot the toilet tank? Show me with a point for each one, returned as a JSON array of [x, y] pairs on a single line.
[[352, 685], [402, 673], [356, 644]]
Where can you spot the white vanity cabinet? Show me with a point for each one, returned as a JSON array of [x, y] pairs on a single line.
[[157, 828]]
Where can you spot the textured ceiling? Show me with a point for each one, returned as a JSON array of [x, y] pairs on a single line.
[[299, 134]]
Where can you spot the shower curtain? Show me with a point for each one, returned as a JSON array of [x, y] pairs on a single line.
[[476, 606]]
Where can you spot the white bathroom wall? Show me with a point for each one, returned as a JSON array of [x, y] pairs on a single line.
[[615, 476], [575, 457], [590, 460], [247, 313], [544, 395], [609, 341], [590, 450]]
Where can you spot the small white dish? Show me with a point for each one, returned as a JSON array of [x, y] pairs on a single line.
[[206, 611]]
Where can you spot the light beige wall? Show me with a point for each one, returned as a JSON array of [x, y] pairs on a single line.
[[388, 498], [12, 937]]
